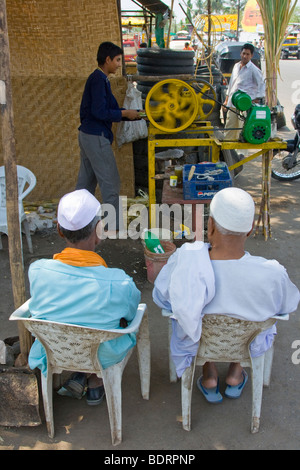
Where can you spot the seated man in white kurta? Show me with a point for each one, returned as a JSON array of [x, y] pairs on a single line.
[[221, 278]]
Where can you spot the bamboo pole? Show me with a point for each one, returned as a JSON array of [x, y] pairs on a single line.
[[121, 36], [209, 27], [9, 155], [170, 24]]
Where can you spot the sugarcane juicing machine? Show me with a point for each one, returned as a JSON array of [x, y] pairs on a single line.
[[174, 105]]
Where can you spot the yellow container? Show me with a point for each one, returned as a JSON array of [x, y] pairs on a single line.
[[178, 173], [173, 181]]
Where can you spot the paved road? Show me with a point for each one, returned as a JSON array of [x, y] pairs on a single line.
[[288, 87]]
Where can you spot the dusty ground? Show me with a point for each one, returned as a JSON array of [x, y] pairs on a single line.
[[155, 425]]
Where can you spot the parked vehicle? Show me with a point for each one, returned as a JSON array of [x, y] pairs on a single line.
[[179, 41], [228, 53], [286, 163], [130, 50], [290, 48]]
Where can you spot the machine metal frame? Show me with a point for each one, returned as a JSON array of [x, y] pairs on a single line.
[[156, 139]]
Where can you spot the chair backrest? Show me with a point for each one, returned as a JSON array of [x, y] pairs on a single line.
[[69, 347], [227, 339], [72, 347], [26, 183]]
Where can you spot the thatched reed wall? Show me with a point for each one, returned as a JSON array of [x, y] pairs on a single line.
[[53, 48]]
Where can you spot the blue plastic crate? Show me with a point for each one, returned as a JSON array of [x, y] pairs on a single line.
[[200, 187]]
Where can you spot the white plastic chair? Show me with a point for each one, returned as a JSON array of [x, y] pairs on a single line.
[[74, 348], [26, 183], [227, 339]]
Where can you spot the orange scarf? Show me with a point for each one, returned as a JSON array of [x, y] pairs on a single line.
[[76, 257]]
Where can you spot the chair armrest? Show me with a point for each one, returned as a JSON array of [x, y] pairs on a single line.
[[166, 313], [27, 191], [282, 316], [134, 325], [31, 186], [22, 312]]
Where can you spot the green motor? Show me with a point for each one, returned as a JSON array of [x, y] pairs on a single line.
[[241, 100], [257, 127]]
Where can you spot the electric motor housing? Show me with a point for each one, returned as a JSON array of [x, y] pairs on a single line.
[[241, 100], [257, 127]]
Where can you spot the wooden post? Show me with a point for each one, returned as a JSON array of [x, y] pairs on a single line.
[[9, 155], [238, 20], [121, 35], [170, 23], [209, 27]]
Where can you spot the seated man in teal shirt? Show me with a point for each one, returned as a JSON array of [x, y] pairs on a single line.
[[76, 286]]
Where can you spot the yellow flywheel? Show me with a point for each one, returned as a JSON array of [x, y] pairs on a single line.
[[206, 96], [171, 105]]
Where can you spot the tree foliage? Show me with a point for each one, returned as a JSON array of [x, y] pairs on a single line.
[[218, 7]]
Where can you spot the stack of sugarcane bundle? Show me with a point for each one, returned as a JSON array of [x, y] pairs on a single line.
[[276, 15]]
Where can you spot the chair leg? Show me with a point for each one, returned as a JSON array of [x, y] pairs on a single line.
[[57, 381], [268, 366], [143, 353], [172, 368], [47, 392], [186, 396], [112, 378], [257, 391], [28, 236]]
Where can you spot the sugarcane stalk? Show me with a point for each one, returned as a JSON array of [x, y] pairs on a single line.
[[276, 15]]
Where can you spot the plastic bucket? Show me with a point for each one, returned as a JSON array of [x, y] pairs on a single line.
[[155, 261]]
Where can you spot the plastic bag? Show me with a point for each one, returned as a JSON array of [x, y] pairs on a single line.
[[129, 131]]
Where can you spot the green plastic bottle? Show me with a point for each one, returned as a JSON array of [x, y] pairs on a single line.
[[152, 242]]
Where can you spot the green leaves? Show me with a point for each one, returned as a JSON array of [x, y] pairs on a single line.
[[276, 15]]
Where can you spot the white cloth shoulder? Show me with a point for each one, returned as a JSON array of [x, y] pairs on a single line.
[[185, 285]]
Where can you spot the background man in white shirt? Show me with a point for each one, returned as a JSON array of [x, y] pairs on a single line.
[[245, 77]]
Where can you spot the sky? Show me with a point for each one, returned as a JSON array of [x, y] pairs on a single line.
[[128, 4]]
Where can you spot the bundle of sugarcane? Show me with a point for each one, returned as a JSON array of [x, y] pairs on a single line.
[[276, 15]]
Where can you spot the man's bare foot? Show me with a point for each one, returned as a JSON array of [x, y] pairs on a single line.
[[210, 375], [234, 374]]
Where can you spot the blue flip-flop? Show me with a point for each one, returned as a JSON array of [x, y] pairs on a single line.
[[212, 395], [236, 391]]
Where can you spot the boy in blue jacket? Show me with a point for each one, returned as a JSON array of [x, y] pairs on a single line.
[[98, 110]]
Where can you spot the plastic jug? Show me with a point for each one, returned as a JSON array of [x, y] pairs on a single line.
[[152, 242]]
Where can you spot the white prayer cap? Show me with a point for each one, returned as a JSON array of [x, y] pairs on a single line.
[[77, 209], [233, 209]]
